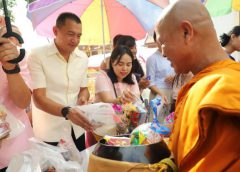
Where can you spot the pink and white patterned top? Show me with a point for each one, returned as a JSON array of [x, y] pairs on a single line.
[[104, 83]]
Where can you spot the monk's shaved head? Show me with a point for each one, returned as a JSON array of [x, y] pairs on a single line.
[[189, 10], [186, 32]]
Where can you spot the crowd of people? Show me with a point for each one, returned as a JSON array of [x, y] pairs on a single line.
[[190, 70]]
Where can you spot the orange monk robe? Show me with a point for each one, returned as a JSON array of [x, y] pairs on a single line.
[[206, 132]]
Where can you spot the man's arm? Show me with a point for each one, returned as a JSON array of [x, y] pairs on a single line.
[[44, 103]]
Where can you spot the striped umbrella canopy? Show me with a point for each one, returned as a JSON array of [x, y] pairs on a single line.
[[101, 19], [221, 7]]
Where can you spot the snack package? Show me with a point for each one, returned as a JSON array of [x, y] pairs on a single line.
[[169, 119], [10, 126], [155, 105], [4, 126], [117, 141], [144, 134], [130, 115], [122, 126], [4, 129], [142, 115]]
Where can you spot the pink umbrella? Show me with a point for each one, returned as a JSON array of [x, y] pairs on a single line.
[[101, 19]]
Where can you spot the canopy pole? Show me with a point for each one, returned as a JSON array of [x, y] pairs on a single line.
[[103, 34]]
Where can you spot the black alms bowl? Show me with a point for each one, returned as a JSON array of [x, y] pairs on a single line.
[[148, 154]]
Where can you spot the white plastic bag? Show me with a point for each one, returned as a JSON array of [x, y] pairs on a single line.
[[66, 142], [101, 115], [16, 126], [41, 157]]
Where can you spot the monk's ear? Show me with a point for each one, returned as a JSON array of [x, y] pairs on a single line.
[[186, 30]]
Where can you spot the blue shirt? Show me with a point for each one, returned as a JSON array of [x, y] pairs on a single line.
[[158, 67]]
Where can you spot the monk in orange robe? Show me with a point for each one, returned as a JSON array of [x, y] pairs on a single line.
[[206, 131]]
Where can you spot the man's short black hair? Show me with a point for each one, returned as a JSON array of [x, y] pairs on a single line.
[[64, 16], [115, 39], [127, 41]]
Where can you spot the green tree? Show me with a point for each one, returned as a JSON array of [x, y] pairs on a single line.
[[29, 1], [10, 4]]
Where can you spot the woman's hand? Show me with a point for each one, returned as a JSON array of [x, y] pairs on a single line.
[[8, 51], [143, 83], [128, 96]]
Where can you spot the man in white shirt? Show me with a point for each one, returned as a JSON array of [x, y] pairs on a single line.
[[59, 78]]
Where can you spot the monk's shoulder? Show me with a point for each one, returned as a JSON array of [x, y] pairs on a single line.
[[219, 89]]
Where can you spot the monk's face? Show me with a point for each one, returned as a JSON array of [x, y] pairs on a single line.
[[171, 42]]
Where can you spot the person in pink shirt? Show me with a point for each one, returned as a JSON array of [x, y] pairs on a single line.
[[117, 84], [15, 96]]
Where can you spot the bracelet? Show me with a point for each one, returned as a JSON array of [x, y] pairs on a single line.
[[65, 111], [12, 71]]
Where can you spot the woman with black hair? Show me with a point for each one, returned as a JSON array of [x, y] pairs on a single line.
[[117, 84], [231, 41]]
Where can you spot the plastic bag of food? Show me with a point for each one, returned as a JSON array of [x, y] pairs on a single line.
[[117, 141], [144, 134], [42, 157], [102, 116], [156, 105], [10, 126]]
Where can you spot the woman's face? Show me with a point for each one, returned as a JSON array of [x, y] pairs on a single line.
[[236, 43], [123, 67]]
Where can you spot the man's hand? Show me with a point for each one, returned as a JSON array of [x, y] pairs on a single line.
[[77, 118], [144, 83]]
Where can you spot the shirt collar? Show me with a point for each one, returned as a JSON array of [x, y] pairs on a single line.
[[52, 50]]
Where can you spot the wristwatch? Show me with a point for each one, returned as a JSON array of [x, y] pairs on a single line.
[[12, 71], [65, 111]]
